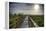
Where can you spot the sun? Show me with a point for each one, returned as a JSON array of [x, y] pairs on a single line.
[[36, 7]]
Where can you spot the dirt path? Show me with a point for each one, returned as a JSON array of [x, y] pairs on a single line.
[[25, 23]]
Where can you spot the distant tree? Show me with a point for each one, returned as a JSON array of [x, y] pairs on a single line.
[[14, 14], [20, 14], [10, 15]]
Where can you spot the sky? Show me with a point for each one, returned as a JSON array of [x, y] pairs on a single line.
[[26, 8]]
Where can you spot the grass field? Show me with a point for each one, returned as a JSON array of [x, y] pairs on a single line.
[[39, 19], [15, 21]]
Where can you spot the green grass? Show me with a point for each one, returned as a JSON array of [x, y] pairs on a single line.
[[39, 19], [15, 21]]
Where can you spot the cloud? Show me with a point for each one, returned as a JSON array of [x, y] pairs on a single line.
[[25, 9]]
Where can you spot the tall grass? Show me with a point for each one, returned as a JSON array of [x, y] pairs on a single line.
[[15, 20], [39, 19]]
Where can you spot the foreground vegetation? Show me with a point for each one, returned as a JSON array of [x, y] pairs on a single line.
[[15, 20], [39, 19]]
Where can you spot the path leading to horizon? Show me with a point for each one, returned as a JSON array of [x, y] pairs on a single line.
[[25, 23]]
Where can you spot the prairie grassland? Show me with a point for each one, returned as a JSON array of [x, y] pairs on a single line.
[[39, 19], [15, 21]]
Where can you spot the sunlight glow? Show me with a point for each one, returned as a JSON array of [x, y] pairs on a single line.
[[36, 7]]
